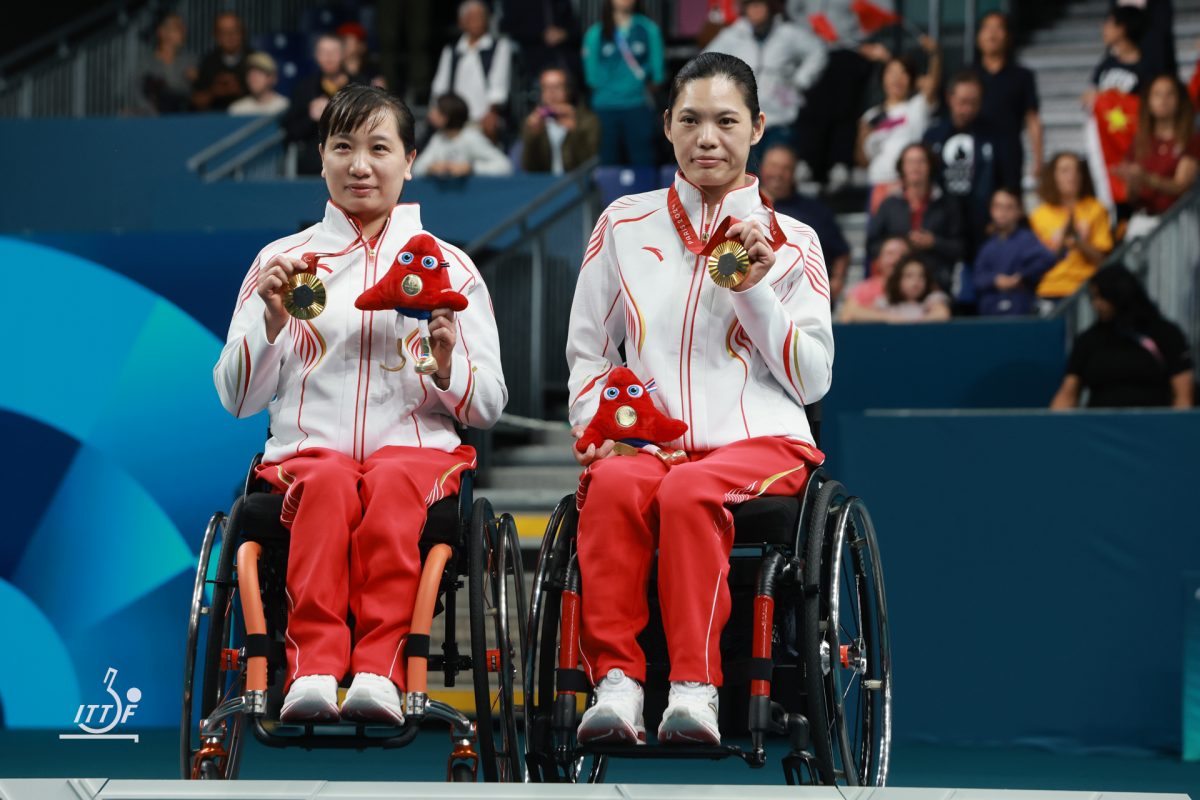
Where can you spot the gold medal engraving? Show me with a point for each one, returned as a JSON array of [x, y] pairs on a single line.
[[729, 264], [411, 285], [305, 297], [626, 417]]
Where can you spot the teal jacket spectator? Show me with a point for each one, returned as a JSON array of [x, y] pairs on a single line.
[[608, 66]]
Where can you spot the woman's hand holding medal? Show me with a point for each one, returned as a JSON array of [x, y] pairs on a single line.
[[758, 250], [273, 286]]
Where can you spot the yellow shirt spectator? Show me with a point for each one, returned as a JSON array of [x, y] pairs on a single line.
[[1049, 223]]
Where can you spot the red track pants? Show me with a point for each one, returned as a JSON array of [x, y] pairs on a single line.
[[354, 546], [629, 505]]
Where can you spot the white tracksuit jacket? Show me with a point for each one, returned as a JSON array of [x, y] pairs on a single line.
[[732, 365], [343, 380]]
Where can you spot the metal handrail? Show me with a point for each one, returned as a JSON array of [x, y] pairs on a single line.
[[245, 157], [580, 176], [1130, 247], [200, 160]]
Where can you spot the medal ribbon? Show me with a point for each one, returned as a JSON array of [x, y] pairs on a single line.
[[692, 240]]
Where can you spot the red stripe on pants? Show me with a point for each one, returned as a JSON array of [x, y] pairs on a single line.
[[632, 504], [355, 530]]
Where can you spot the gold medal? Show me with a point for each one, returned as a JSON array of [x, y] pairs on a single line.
[[622, 449], [305, 297], [728, 264], [626, 417], [411, 285]]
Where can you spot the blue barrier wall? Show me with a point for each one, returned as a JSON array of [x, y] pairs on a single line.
[[1035, 566], [130, 175]]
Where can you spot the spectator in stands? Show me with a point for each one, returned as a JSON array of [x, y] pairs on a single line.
[[1165, 154], [1010, 101], [1072, 223], [622, 63], [1011, 262], [547, 33], [261, 76], [826, 132], [163, 75], [1158, 36], [1132, 356], [900, 119], [310, 96], [864, 297], [921, 213], [776, 177], [222, 75], [477, 68], [1122, 67], [360, 65], [559, 134], [457, 149], [786, 58], [964, 150], [910, 294]]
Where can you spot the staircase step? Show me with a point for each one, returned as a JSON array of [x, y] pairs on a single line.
[[527, 500], [562, 478], [558, 454]]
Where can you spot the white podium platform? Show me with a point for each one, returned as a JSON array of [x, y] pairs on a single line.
[[104, 789]]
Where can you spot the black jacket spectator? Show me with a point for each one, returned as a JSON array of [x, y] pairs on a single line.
[[221, 78], [940, 218], [968, 172]]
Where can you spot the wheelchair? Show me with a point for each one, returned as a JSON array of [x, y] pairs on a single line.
[[806, 654], [235, 682]]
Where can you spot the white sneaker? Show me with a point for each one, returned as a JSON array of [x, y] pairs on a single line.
[[691, 715], [373, 698], [312, 698], [616, 716]]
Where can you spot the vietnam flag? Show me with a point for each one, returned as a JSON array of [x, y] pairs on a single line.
[[1111, 129], [873, 17]]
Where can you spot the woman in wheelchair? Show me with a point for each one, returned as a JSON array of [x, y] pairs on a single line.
[[736, 361], [360, 442]]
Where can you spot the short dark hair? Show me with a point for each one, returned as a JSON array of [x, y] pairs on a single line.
[[1131, 20], [568, 79], [961, 77], [709, 65], [355, 105], [454, 109]]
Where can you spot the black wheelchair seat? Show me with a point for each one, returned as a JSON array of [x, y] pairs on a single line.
[[766, 520], [260, 521]]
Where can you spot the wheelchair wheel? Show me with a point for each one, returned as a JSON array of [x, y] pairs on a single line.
[[846, 649], [496, 587], [199, 610], [219, 680], [541, 659]]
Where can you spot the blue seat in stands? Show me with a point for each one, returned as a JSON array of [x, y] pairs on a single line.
[[614, 181]]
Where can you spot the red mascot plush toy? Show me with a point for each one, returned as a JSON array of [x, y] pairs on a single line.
[[417, 283], [628, 416]]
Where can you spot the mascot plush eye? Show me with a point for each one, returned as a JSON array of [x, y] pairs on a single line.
[[429, 262], [611, 393], [406, 257], [634, 390]]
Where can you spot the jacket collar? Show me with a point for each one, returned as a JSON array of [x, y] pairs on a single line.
[[404, 217], [483, 43], [742, 203]]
